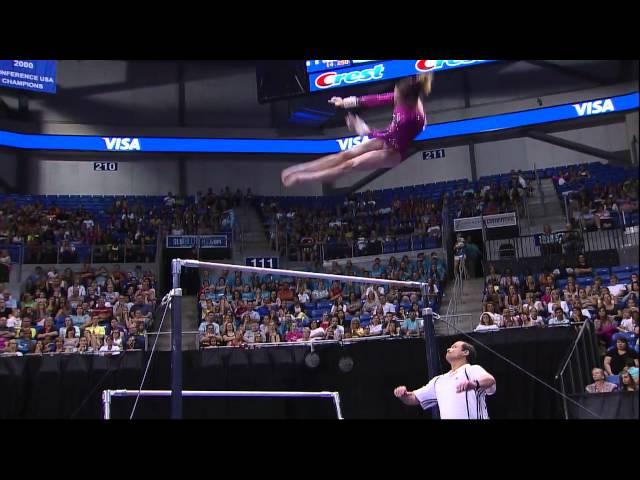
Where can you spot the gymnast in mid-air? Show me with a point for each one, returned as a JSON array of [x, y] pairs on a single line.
[[386, 148]]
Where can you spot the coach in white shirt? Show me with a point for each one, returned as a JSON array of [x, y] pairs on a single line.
[[460, 393]]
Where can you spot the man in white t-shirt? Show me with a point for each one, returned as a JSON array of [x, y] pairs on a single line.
[[460, 393], [387, 306], [616, 289]]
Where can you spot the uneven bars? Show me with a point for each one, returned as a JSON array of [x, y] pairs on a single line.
[[107, 394], [296, 273]]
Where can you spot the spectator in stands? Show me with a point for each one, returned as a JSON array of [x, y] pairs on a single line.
[[337, 328], [558, 318], [556, 302], [626, 323], [6, 333], [285, 294], [40, 347], [577, 316], [238, 339], [9, 302], [616, 289], [272, 335], [570, 290], [356, 330], [392, 329], [306, 336], [26, 324], [571, 242], [486, 323], [492, 296], [81, 319], [587, 219], [386, 305], [14, 320], [68, 323], [627, 382], [320, 292], [371, 305], [109, 349], [228, 334], [410, 325], [335, 291], [139, 306], [525, 318], [355, 305], [536, 320], [209, 320], [605, 327], [338, 305], [530, 286], [377, 270], [98, 331], [633, 293], [48, 333], [459, 256], [550, 243], [71, 339], [304, 294], [620, 357], [12, 349], [473, 256], [513, 301], [375, 328], [595, 289], [25, 343], [609, 305], [581, 267], [316, 331], [508, 320], [585, 300], [600, 385], [84, 347]]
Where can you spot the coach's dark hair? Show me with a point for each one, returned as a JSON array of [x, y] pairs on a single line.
[[471, 358]]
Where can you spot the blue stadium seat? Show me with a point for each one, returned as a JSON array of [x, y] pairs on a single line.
[[402, 245], [389, 247], [623, 268], [584, 281]]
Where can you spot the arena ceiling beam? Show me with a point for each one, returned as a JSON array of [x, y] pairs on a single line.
[[573, 72], [615, 157]]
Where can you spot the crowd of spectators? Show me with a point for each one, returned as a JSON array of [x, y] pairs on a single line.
[[124, 231], [90, 310], [597, 196], [52, 233], [569, 295], [206, 213], [362, 224], [237, 309]]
